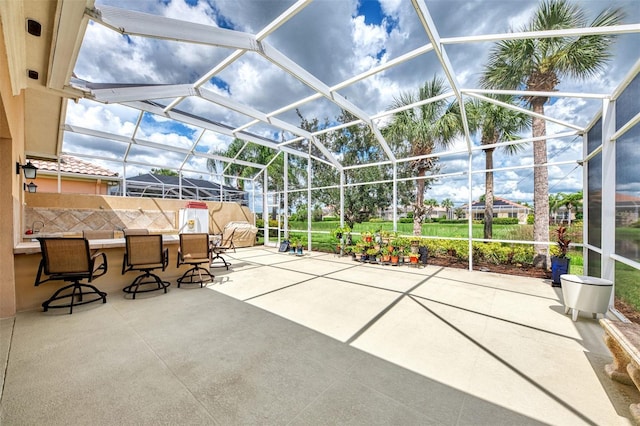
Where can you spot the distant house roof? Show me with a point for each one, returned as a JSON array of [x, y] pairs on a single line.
[[497, 204], [69, 164], [161, 186]]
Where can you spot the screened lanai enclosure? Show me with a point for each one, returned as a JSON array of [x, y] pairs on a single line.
[[305, 104]]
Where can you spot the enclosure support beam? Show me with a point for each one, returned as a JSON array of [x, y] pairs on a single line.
[[286, 194], [265, 206], [608, 192], [470, 211], [309, 208], [341, 207], [395, 197]]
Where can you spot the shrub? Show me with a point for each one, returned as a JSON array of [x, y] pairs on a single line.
[[273, 224], [505, 220], [330, 219], [530, 219]]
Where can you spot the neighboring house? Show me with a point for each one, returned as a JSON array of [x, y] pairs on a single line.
[[436, 212], [627, 209], [161, 186], [501, 208], [71, 175]]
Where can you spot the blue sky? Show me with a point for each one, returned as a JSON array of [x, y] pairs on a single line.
[[333, 40]]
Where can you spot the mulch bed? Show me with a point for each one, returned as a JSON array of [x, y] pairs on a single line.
[[515, 269]]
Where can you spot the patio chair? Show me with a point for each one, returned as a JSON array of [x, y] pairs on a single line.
[[219, 248], [145, 253], [100, 234], [194, 251], [70, 260]]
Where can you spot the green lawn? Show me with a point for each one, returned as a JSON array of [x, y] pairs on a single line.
[[450, 230]]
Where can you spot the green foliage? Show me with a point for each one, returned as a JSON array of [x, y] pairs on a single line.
[[530, 219], [357, 145], [316, 214], [505, 220], [164, 172], [273, 227], [330, 219], [496, 253]]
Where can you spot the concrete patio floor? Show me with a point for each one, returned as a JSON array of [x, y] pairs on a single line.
[[311, 340]]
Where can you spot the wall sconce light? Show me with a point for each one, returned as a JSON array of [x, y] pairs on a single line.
[[32, 187], [30, 171]]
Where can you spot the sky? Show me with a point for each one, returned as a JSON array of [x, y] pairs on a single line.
[[333, 40]]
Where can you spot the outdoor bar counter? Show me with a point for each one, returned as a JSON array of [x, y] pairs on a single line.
[[27, 259]]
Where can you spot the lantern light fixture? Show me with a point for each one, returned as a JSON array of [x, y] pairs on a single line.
[[32, 187], [30, 171]]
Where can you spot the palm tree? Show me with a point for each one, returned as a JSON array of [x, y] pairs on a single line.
[[430, 204], [538, 65], [422, 128], [554, 203], [496, 124], [448, 205], [570, 201]]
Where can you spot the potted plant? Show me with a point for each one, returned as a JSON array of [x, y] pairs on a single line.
[[299, 247], [413, 258], [293, 244], [341, 231], [395, 256], [560, 263], [371, 254], [423, 252], [405, 255]]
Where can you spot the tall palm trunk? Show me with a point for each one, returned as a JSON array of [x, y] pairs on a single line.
[[418, 208], [540, 186], [488, 198]]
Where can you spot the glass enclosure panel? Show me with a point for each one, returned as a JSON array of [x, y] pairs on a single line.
[[594, 137], [594, 260], [628, 195], [594, 186], [627, 287], [628, 103]]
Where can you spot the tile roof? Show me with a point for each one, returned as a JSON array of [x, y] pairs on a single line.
[[497, 202], [69, 164]]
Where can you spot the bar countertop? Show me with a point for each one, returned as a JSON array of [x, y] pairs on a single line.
[[32, 247]]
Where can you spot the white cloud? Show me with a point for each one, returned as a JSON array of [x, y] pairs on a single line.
[[330, 41]]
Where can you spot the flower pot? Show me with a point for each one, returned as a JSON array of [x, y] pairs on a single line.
[[394, 260], [424, 254], [559, 266]]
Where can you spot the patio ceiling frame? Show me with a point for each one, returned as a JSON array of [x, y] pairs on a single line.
[[141, 97]]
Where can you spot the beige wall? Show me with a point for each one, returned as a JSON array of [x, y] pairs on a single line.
[[81, 212], [71, 186], [11, 151]]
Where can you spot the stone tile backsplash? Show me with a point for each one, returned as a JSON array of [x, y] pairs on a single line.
[[78, 220]]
